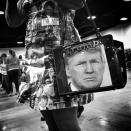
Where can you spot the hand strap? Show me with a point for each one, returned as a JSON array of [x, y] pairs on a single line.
[[93, 22]]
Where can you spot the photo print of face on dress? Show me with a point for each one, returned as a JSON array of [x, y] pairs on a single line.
[[86, 66]]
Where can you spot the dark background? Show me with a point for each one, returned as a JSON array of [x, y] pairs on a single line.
[[107, 12]]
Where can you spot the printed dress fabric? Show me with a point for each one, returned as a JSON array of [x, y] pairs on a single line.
[[43, 34]]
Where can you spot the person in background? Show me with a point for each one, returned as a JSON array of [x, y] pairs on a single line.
[[49, 25], [0, 71], [13, 71], [21, 62], [4, 73]]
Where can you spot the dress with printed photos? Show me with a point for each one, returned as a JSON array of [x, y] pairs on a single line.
[[43, 34]]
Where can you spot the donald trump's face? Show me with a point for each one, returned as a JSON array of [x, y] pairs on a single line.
[[85, 69]]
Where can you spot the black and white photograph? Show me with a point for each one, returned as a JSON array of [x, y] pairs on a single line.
[[65, 65]]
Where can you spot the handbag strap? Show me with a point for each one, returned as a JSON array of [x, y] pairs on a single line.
[[92, 21], [63, 19]]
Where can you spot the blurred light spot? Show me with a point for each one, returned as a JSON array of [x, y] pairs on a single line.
[[4, 128], [126, 0], [1, 12], [19, 42], [91, 17], [123, 18], [103, 122]]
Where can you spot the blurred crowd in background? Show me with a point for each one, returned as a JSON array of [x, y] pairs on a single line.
[[128, 58], [10, 72]]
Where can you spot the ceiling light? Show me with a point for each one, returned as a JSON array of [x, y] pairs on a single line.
[[126, 0], [98, 28], [1, 12], [19, 42], [91, 17], [123, 18]]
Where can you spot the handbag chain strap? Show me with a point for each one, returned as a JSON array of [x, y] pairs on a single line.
[[92, 20]]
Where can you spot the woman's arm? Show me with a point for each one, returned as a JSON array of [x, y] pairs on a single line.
[[14, 13]]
